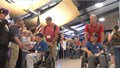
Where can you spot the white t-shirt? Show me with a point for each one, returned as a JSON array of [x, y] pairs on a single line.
[[25, 40]]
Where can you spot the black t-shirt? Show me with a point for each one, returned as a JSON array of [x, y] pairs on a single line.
[[4, 32], [14, 32]]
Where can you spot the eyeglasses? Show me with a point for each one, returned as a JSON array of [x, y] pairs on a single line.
[[93, 36]]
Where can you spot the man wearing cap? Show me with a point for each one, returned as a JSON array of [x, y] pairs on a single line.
[[95, 52], [114, 38], [51, 35], [4, 37], [15, 42], [40, 46]]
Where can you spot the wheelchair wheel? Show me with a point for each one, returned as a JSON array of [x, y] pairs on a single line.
[[50, 62], [83, 62]]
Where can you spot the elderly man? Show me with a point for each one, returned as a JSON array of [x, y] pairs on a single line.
[[15, 42], [51, 35], [39, 48], [94, 27], [95, 52], [4, 37]]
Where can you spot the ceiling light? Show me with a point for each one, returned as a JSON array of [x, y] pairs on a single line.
[[76, 26], [98, 5], [31, 11], [80, 28], [69, 32], [45, 7], [81, 33], [73, 34], [102, 19], [52, 4], [65, 30]]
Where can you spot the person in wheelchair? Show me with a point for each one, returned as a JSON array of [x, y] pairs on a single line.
[[95, 52], [38, 50]]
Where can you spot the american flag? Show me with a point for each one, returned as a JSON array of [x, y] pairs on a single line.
[[38, 26]]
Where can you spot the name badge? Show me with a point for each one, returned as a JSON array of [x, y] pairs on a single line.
[[48, 36]]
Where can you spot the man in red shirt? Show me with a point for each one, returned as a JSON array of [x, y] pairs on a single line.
[[94, 27], [51, 35]]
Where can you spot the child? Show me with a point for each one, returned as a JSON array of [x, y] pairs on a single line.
[[25, 40]]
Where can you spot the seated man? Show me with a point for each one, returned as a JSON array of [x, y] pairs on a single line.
[[40, 47], [95, 52]]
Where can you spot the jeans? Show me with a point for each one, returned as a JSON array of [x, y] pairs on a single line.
[[23, 59], [92, 60], [117, 56], [67, 52]]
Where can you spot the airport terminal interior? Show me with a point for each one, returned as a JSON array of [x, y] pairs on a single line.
[[59, 33]]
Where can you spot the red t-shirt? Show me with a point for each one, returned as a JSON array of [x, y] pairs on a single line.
[[49, 32], [94, 28]]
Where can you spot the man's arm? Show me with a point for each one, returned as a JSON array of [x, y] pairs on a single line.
[[56, 34], [18, 42], [89, 53], [98, 54], [101, 52], [102, 32], [86, 36], [56, 37], [86, 32], [102, 36], [15, 34], [110, 36]]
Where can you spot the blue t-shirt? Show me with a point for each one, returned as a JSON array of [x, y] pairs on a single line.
[[42, 46], [94, 48]]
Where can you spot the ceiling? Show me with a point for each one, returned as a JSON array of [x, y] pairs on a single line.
[[71, 14], [16, 9], [58, 12], [86, 8]]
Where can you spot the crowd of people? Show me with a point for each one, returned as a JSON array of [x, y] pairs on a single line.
[[17, 41]]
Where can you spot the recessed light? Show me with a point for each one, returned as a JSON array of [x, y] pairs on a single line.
[[98, 5], [102, 19]]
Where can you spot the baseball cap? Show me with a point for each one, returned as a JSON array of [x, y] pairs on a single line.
[[95, 35], [48, 18], [40, 35], [4, 11]]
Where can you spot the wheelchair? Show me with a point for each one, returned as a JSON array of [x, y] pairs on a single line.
[[47, 61], [84, 61]]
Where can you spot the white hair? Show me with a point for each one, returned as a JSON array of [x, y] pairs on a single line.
[[94, 16]]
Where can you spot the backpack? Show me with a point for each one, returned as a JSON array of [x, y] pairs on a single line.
[[116, 38], [54, 28], [59, 35]]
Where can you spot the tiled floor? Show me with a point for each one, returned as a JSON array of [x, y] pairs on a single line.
[[68, 63]]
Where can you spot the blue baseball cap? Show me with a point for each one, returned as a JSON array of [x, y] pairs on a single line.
[[4, 11], [40, 35]]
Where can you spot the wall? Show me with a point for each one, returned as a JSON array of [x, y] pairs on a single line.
[[111, 20]]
